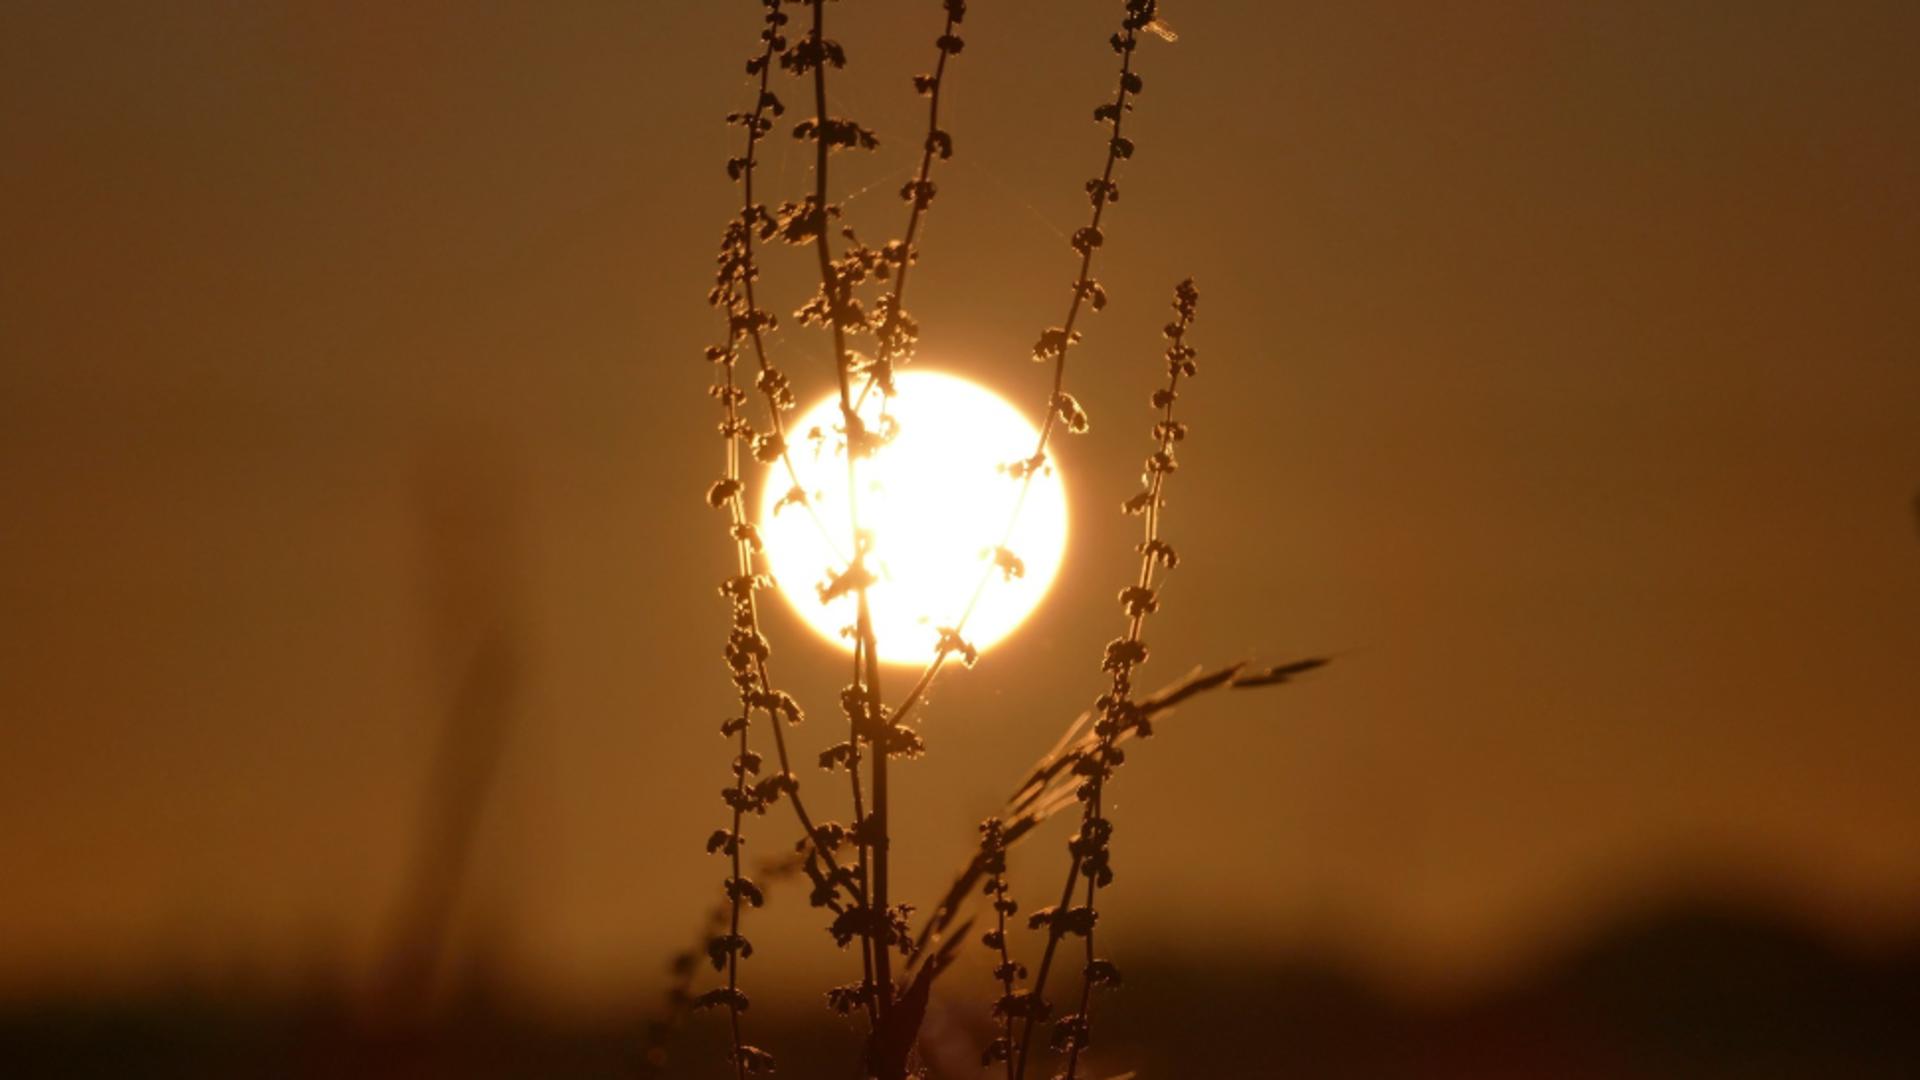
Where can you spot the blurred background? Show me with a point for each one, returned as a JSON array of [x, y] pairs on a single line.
[[359, 653]]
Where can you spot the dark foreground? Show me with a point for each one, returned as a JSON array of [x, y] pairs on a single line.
[[1693, 992]]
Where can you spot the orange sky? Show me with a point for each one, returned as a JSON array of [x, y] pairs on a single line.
[[1560, 374]]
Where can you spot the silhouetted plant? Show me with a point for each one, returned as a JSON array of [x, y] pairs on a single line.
[[1088, 850], [1055, 342], [1012, 1003], [682, 967], [747, 650], [848, 865]]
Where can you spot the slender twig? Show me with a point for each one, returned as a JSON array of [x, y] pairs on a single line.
[[897, 332], [836, 308], [747, 649], [776, 390], [993, 850], [869, 974], [1050, 787], [1055, 342], [1139, 602], [735, 895], [740, 798], [1117, 713], [680, 1000]]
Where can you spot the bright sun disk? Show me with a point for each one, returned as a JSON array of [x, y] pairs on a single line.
[[936, 501]]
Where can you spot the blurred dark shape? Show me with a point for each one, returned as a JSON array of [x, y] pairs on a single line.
[[1690, 989], [469, 566], [467, 763]]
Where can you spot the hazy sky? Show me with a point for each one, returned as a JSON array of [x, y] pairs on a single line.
[[1561, 373]]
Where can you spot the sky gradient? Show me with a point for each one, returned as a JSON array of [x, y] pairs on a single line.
[[1560, 377]]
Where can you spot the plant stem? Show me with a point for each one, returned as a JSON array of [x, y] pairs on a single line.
[[771, 384], [739, 780], [1139, 602], [832, 289], [888, 334], [736, 292], [1080, 292], [1046, 965]]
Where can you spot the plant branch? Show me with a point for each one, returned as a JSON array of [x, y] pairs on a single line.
[[1089, 848], [1054, 343], [1050, 787], [747, 649], [897, 333], [836, 308]]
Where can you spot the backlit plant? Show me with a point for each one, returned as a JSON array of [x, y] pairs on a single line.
[[860, 300]]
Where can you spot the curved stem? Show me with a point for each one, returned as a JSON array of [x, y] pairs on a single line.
[[735, 293], [1037, 460], [873, 834], [739, 790], [888, 335], [1122, 659]]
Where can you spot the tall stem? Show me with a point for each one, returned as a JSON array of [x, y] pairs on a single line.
[[889, 335], [876, 832], [735, 293], [1081, 291], [1123, 656]]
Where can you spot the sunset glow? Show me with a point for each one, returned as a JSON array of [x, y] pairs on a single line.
[[936, 502]]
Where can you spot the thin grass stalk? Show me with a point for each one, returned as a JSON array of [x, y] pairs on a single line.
[[836, 308], [736, 897], [869, 977], [738, 275], [1054, 344], [1009, 972], [897, 333], [680, 1000], [1049, 787], [1116, 713], [1139, 602], [740, 890], [747, 650], [775, 388]]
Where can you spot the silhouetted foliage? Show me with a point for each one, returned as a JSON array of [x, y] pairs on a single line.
[[860, 294]]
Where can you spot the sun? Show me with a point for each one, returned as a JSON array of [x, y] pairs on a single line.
[[936, 500]]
